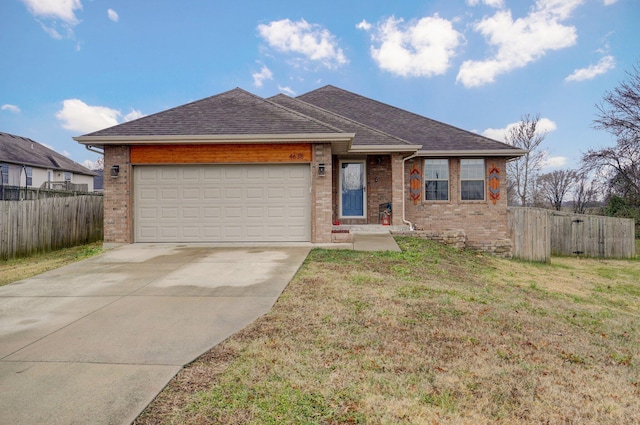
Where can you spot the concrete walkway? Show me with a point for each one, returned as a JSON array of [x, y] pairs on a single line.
[[378, 241], [94, 342]]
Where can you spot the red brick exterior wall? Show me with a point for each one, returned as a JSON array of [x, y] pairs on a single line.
[[378, 185], [117, 196], [321, 194], [484, 223]]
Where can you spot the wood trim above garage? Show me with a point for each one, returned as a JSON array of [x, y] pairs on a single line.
[[221, 153]]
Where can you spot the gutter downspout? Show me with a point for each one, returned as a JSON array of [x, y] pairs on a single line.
[[404, 188], [92, 149]]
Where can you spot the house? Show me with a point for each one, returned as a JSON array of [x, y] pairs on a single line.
[[237, 167], [25, 163]]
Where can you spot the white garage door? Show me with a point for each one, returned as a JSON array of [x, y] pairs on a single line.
[[222, 203]]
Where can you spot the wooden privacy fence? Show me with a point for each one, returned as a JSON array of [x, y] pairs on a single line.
[[537, 234], [29, 227]]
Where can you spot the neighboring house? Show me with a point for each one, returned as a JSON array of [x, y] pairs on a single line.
[[25, 163], [236, 167]]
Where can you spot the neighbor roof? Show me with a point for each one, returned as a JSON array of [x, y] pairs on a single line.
[[430, 135], [24, 151], [233, 113]]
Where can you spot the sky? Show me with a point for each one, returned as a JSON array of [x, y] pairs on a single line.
[[71, 67]]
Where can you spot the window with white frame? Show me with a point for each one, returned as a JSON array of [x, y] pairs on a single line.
[[436, 179], [67, 176], [4, 170], [28, 171], [472, 179]]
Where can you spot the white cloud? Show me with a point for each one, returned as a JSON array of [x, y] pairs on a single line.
[[521, 41], [60, 15], [364, 25], [113, 15], [287, 90], [76, 115], [604, 65], [420, 48], [259, 77], [609, 2], [545, 125], [98, 164], [63, 10], [310, 40], [10, 108], [66, 153], [133, 115], [493, 3], [554, 162]]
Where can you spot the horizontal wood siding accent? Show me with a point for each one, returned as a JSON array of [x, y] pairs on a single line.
[[221, 153]]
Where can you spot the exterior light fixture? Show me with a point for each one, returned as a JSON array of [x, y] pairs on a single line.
[[115, 170], [321, 169]]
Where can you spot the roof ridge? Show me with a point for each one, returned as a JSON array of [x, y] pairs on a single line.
[[300, 114], [349, 119], [404, 110], [193, 102], [208, 98]]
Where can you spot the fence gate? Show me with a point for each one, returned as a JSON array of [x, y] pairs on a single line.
[[536, 234], [577, 235]]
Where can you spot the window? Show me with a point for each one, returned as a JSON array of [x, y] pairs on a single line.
[[28, 171], [4, 170], [436, 179], [67, 176], [472, 176]]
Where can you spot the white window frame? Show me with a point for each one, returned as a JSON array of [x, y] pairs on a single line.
[[468, 176], [28, 176], [4, 174], [436, 161]]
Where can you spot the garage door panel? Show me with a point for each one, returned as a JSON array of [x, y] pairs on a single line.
[[212, 214], [218, 203], [168, 175], [191, 194], [296, 212], [168, 194]]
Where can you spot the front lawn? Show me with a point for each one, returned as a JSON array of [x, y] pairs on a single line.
[[428, 335], [21, 268]]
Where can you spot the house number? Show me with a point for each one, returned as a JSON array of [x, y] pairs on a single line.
[[297, 155]]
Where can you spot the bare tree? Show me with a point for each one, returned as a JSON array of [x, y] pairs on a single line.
[[619, 114], [555, 185], [523, 171], [585, 193]]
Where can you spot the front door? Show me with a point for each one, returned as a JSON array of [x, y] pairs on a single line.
[[353, 189]]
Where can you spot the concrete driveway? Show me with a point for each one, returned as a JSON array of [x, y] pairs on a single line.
[[95, 341]]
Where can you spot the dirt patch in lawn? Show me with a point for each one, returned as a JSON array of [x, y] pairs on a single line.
[[428, 335]]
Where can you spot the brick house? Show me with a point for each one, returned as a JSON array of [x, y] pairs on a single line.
[[239, 168]]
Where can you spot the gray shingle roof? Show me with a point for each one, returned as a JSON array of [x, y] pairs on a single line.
[[23, 151], [363, 135], [236, 112], [430, 134]]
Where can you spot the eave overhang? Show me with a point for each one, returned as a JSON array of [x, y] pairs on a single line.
[[381, 149], [101, 141], [507, 153]]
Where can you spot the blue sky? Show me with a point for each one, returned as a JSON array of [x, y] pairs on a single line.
[[70, 67]]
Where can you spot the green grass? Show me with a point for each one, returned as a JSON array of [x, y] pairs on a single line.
[[22, 268], [427, 335]]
